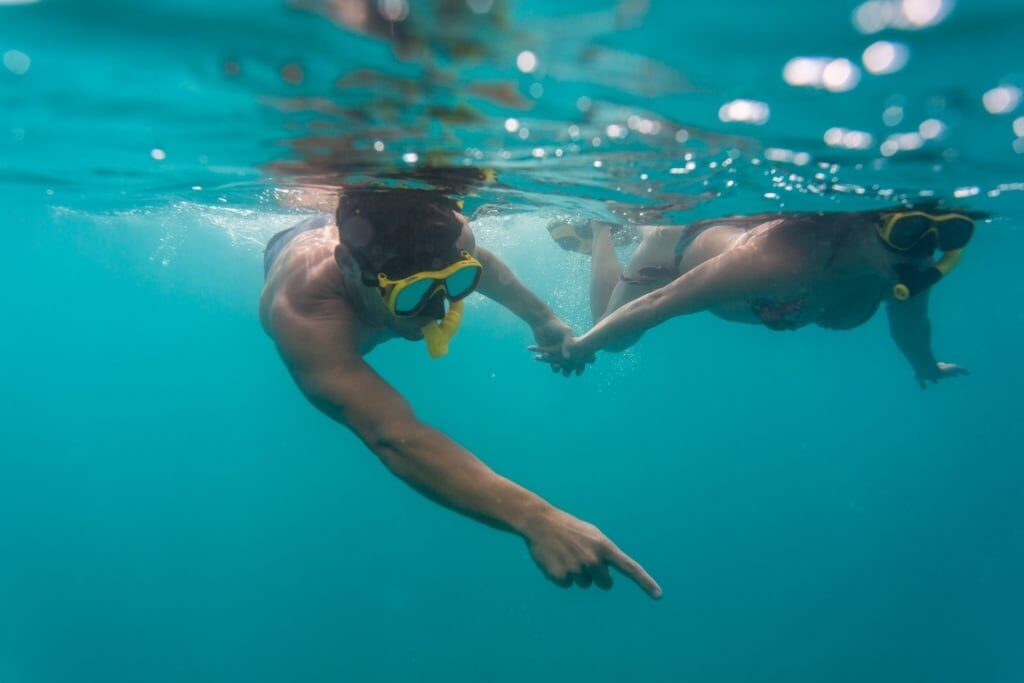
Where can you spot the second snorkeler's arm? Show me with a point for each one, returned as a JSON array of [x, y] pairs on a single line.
[[912, 332], [735, 274]]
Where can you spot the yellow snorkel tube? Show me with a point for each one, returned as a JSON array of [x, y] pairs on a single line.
[[439, 335]]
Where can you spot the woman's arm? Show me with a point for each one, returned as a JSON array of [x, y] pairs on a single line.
[[912, 332], [741, 273]]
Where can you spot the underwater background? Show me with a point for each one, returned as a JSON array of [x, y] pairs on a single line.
[[172, 509]]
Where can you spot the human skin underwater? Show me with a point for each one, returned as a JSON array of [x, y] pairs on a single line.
[[783, 271], [324, 319], [192, 489]]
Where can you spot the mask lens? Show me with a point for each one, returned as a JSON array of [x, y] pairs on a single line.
[[955, 233], [908, 230], [412, 297], [462, 282]]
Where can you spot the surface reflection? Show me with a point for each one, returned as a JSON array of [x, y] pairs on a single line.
[[877, 15], [486, 106]]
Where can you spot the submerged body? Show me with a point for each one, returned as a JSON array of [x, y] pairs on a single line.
[[324, 317], [783, 271], [830, 278]]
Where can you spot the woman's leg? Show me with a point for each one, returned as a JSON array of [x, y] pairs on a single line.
[[605, 269], [651, 266]]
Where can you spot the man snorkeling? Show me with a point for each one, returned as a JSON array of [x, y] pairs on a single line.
[[783, 271], [399, 264]]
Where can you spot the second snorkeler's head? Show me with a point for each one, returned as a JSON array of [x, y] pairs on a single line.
[[917, 234], [920, 233]]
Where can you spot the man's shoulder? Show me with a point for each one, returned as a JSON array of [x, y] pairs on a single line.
[[301, 315], [308, 281]]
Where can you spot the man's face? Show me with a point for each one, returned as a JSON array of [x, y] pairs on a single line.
[[466, 241], [435, 308]]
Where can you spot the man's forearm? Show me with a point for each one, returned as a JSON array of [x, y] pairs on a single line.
[[450, 475], [500, 284]]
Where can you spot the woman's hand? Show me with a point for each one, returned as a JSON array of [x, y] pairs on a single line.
[[940, 371], [565, 354]]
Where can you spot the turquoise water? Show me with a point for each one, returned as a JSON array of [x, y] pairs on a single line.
[[171, 509]]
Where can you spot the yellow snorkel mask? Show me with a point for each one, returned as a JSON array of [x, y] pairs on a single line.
[[408, 297], [921, 232]]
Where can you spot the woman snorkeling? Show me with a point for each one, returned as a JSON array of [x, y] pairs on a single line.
[[780, 270]]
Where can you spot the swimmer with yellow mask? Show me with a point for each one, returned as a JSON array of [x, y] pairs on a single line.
[[400, 263], [783, 271]]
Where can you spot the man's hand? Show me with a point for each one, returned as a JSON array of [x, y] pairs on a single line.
[[570, 551], [554, 341], [939, 371], [566, 356], [551, 335]]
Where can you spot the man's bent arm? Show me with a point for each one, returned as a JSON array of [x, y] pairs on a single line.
[[321, 353], [420, 455], [567, 549], [319, 346]]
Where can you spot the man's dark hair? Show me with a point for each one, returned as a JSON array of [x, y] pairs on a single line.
[[398, 231]]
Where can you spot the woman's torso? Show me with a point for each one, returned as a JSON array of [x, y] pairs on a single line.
[[826, 281]]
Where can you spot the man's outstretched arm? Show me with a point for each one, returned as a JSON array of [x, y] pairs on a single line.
[[321, 354], [912, 332]]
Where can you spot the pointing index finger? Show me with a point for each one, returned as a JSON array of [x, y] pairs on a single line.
[[632, 569]]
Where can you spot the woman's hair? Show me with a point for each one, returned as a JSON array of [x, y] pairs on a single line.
[[398, 231]]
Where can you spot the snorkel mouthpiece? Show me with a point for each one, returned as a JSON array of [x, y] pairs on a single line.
[[438, 335], [913, 282]]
